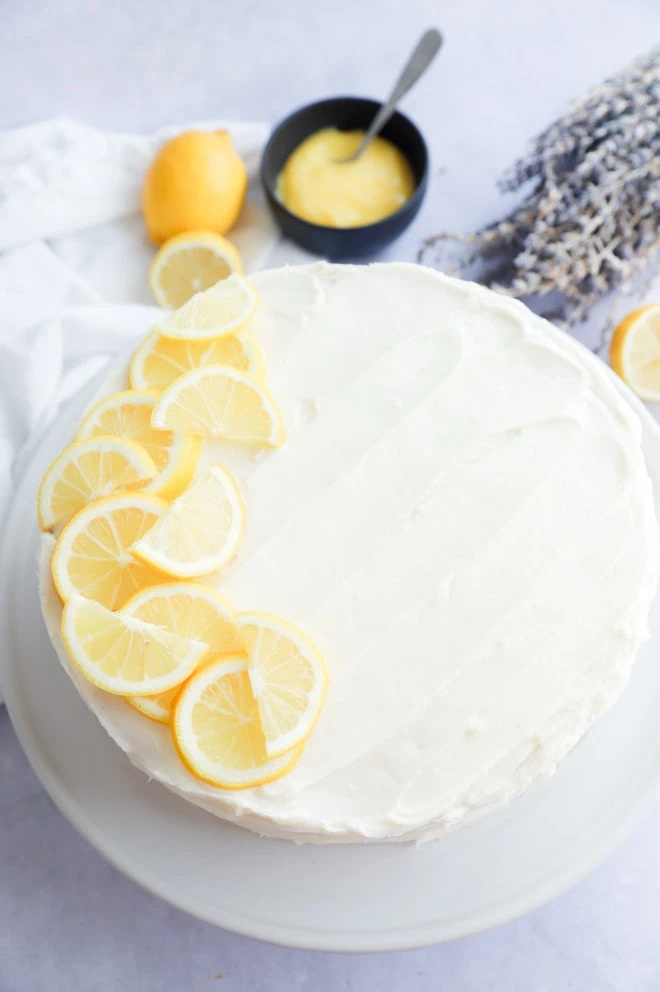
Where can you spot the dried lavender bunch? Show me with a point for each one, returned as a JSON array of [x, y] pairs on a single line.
[[590, 222]]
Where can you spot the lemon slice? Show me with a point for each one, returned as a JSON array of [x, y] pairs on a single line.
[[194, 611], [128, 414], [92, 557], [159, 361], [635, 352], [87, 470], [223, 309], [217, 730], [189, 263], [222, 403], [121, 654], [200, 531], [288, 679], [157, 707]]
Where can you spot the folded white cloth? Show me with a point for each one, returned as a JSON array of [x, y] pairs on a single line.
[[74, 258]]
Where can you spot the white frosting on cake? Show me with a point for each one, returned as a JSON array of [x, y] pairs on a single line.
[[461, 519]]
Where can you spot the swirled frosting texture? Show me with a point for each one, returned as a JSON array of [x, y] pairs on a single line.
[[461, 519]]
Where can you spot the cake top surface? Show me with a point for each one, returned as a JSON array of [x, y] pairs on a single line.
[[462, 521]]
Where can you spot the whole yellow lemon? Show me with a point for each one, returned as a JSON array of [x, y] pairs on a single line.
[[196, 181]]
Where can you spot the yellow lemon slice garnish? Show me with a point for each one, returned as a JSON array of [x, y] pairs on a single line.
[[217, 729], [288, 679], [128, 414], [223, 309], [121, 654], [199, 532], [159, 361], [87, 470], [222, 403], [189, 263], [635, 352], [92, 557], [190, 610]]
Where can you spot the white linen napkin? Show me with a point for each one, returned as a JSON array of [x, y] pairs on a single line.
[[74, 257]]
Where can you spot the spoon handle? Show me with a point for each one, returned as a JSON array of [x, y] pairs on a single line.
[[425, 51]]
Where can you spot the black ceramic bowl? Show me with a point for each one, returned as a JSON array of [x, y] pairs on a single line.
[[346, 113]]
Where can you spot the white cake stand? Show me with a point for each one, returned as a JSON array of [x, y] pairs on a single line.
[[359, 898]]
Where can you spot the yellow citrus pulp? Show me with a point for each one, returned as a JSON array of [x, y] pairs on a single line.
[[217, 729], [92, 555], [635, 352], [122, 654], [159, 361], [189, 263], [128, 415], [221, 403], [288, 680], [225, 308], [200, 531], [87, 470], [189, 610]]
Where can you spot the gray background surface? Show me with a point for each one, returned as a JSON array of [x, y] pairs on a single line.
[[68, 921]]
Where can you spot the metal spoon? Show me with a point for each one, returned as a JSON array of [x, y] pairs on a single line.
[[425, 51]]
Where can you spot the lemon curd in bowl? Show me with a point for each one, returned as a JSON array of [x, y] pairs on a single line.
[[320, 186], [307, 141]]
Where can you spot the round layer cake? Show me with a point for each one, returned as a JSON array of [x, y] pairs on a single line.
[[460, 518]]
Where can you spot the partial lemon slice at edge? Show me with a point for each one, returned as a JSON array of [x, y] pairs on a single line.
[[635, 352]]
